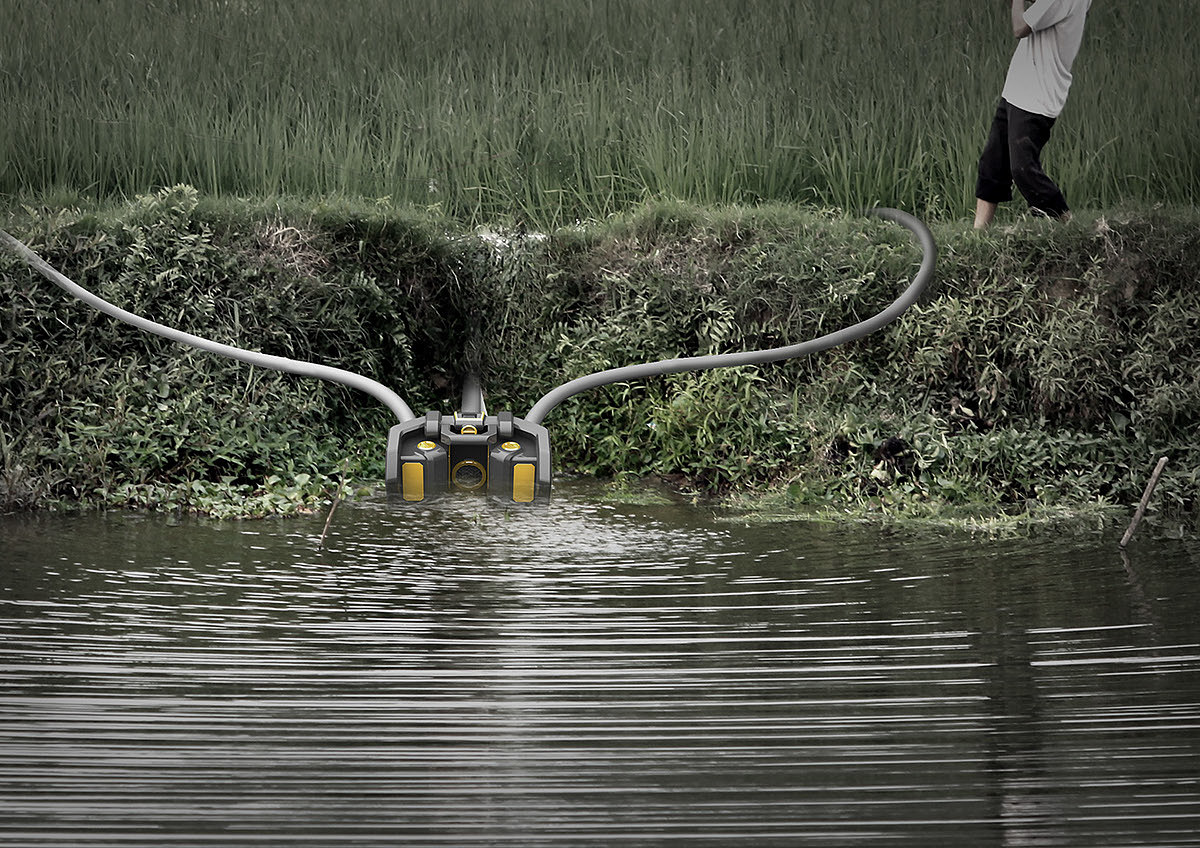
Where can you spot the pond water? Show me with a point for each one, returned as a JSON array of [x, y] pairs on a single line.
[[590, 674]]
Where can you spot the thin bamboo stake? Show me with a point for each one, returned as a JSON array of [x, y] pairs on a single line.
[[332, 507], [1141, 510]]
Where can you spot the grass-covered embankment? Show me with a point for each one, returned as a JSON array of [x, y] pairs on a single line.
[[1044, 372]]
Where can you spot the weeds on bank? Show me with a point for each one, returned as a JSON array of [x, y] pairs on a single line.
[[1045, 371], [99, 412]]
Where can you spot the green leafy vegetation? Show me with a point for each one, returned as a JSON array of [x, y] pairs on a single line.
[[1042, 375], [96, 410]]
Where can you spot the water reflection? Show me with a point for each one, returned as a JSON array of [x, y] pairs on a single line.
[[589, 674]]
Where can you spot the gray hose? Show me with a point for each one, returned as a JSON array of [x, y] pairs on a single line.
[[554, 397], [472, 405], [278, 363]]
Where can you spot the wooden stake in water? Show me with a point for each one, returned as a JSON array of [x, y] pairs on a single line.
[[1141, 510], [337, 499]]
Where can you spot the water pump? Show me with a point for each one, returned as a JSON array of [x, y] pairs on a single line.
[[506, 457]]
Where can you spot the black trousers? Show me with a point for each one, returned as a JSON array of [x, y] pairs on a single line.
[[1013, 154]]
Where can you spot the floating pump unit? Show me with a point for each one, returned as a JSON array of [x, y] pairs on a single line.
[[503, 456]]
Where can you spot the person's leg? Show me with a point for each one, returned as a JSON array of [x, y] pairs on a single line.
[[994, 183], [985, 211], [1028, 134]]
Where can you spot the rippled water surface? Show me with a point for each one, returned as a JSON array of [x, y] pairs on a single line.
[[590, 675]]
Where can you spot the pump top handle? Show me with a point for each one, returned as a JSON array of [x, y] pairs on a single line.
[[924, 274]]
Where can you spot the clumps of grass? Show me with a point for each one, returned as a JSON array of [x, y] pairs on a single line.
[[1041, 374], [102, 413], [292, 248]]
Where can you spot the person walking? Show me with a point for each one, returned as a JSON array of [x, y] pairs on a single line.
[[1049, 33]]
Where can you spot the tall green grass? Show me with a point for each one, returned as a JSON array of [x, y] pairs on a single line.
[[544, 111]]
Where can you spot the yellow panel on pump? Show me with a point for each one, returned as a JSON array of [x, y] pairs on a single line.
[[523, 477], [412, 481]]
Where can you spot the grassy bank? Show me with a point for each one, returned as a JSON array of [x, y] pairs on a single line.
[[1046, 371], [548, 112]]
